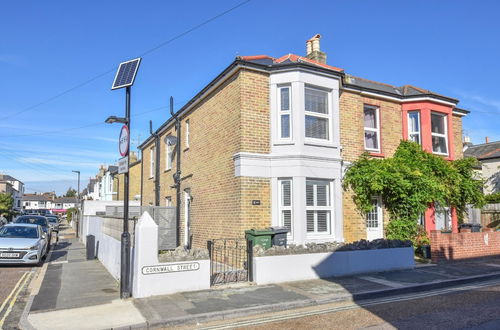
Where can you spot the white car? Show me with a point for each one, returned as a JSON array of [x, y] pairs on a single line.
[[22, 244]]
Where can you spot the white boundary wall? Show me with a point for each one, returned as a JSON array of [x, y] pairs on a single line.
[[151, 278], [108, 248], [276, 269]]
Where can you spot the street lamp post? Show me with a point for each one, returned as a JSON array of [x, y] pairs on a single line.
[[78, 201], [125, 77]]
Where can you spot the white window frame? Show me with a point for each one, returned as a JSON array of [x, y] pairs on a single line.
[[281, 205], [327, 116], [151, 162], [410, 131], [285, 112], [187, 134], [168, 156], [370, 129], [445, 135], [329, 231], [168, 201]]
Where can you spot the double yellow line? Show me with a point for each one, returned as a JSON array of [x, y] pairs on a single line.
[[11, 299]]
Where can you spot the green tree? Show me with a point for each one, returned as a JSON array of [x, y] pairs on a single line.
[[70, 193], [6, 203], [409, 182]]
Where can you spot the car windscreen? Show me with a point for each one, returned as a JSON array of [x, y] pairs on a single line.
[[18, 232], [52, 220], [33, 220]]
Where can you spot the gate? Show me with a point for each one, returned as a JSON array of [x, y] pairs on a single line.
[[230, 260]]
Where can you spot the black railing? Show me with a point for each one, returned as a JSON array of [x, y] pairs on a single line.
[[230, 260]]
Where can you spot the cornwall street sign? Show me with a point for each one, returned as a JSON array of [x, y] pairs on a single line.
[[123, 141], [170, 268], [123, 165]]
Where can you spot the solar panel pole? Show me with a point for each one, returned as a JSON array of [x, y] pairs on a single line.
[[125, 242]]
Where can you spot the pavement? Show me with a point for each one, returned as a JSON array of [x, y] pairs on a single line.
[[81, 294]]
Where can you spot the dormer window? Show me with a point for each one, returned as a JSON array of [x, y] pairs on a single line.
[[317, 115], [439, 132]]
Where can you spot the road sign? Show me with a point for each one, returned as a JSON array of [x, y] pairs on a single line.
[[123, 165], [123, 142]]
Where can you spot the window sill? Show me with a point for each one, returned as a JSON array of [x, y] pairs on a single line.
[[167, 170], [185, 149], [284, 143], [320, 144], [376, 154]]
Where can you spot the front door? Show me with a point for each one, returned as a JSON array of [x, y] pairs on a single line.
[[374, 221]]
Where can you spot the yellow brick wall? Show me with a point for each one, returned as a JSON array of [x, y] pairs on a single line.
[[134, 182], [233, 118], [352, 141]]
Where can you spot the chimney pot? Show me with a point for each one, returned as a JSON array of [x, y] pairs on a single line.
[[313, 51]]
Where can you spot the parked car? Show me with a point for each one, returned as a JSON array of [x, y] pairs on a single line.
[[36, 220], [53, 222], [22, 243], [42, 212]]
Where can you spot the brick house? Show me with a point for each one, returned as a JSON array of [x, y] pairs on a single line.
[[266, 142]]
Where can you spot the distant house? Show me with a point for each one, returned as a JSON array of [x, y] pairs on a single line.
[[64, 203], [36, 202], [488, 154], [14, 187]]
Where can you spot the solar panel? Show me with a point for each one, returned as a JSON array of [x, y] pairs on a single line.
[[125, 75]]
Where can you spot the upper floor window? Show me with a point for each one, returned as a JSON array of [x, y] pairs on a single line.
[[187, 133], [168, 201], [414, 127], [317, 114], [439, 132], [151, 162], [285, 112], [372, 128], [168, 156]]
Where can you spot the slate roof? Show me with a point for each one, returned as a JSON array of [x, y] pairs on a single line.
[[286, 59], [65, 200], [404, 92], [40, 198], [484, 151]]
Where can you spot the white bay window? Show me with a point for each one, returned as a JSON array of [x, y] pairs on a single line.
[[317, 114], [285, 110], [285, 197], [318, 206]]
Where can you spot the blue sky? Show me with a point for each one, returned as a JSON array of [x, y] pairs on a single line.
[[450, 47]]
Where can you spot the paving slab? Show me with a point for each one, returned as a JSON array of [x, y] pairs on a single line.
[[77, 283]]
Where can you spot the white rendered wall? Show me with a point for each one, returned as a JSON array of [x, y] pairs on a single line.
[[276, 269]]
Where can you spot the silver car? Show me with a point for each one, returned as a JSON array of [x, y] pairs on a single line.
[[22, 244], [53, 222]]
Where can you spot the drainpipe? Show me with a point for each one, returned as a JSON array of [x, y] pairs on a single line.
[[177, 174], [157, 164], [142, 177]]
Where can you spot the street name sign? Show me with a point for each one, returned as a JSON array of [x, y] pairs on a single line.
[[170, 268], [123, 141], [123, 165]]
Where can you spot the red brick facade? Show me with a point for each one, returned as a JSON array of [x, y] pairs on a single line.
[[464, 245]]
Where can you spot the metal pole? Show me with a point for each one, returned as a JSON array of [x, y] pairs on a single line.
[[177, 175], [125, 241]]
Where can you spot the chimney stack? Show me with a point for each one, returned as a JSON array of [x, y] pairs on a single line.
[[487, 140], [313, 51]]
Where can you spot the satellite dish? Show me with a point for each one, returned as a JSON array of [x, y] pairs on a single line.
[[171, 140]]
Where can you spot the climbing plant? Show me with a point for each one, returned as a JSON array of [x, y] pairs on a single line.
[[408, 182]]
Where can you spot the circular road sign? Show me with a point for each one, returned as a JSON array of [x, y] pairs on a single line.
[[124, 141]]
